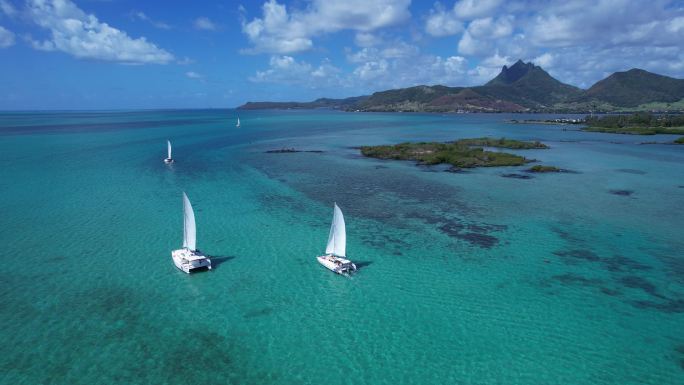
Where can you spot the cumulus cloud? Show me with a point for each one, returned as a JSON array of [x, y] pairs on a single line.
[[564, 36], [389, 50], [366, 39], [546, 60], [607, 23], [193, 75], [286, 70], [393, 64], [480, 34], [282, 31], [470, 9], [490, 28], [578, 42], [84, 36], [410, 71], [441, 22], [489, 67], [204, 23], [6, 37]]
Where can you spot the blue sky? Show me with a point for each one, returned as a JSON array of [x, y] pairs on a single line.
[[88, 54]]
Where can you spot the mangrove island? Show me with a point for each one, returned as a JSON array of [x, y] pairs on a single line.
[[463, 153]]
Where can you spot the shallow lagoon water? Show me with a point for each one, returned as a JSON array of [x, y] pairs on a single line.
[[465, 278]]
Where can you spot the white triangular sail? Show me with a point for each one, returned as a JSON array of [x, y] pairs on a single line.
[[238, 123], [189, 229], [337, 240], [168, 142]]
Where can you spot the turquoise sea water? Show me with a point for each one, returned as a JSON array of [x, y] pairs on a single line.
[[465, 278]]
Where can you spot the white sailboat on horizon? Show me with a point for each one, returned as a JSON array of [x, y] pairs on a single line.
[[336, 249], [168, 159], [238, 123], [189, 258]]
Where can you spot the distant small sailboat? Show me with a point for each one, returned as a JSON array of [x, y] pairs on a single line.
[[189, 258], [168, 159], [238, 123], [335, 251]]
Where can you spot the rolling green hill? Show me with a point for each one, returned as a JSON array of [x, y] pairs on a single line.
[[635, 87]]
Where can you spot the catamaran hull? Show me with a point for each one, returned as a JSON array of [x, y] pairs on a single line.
[[336, 264], [188, 262], [168, 160]]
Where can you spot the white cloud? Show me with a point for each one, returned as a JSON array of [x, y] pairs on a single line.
[[193, 75], [371, 70], [496, 61], [455, 64], [6, 37], [442, 23], [366, 39], [479, 37], [607, 23], [545, 60], [204, 23], [576, 42], [398, 64], [471, 9], [374, 74], [489, 28], [469, 46], [399, 49], [410, 71], [675, 25], [363, 55], [488, 68], [139, 15], [280, 31], [82, 35], [287, 70], [389, 50], [7, 8]]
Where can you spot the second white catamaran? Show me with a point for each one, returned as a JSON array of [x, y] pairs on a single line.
[[189, 258], [335, 252]]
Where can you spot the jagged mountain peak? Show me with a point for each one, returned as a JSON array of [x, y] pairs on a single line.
[[512, 74]]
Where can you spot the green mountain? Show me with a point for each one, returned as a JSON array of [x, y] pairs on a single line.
[[635, 87], [528, 85], [520, 87]]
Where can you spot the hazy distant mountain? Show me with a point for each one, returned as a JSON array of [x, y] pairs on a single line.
[[318, 103], [520, 87]]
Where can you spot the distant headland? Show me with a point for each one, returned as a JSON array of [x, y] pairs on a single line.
[[522, 87]]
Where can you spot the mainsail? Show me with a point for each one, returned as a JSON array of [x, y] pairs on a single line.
[[337, 240], [169, 146], [189, 230], [238, 123]]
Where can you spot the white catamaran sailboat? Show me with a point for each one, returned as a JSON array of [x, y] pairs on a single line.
[[238, 123], [189, 258], [168, 159], [334, 258]]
